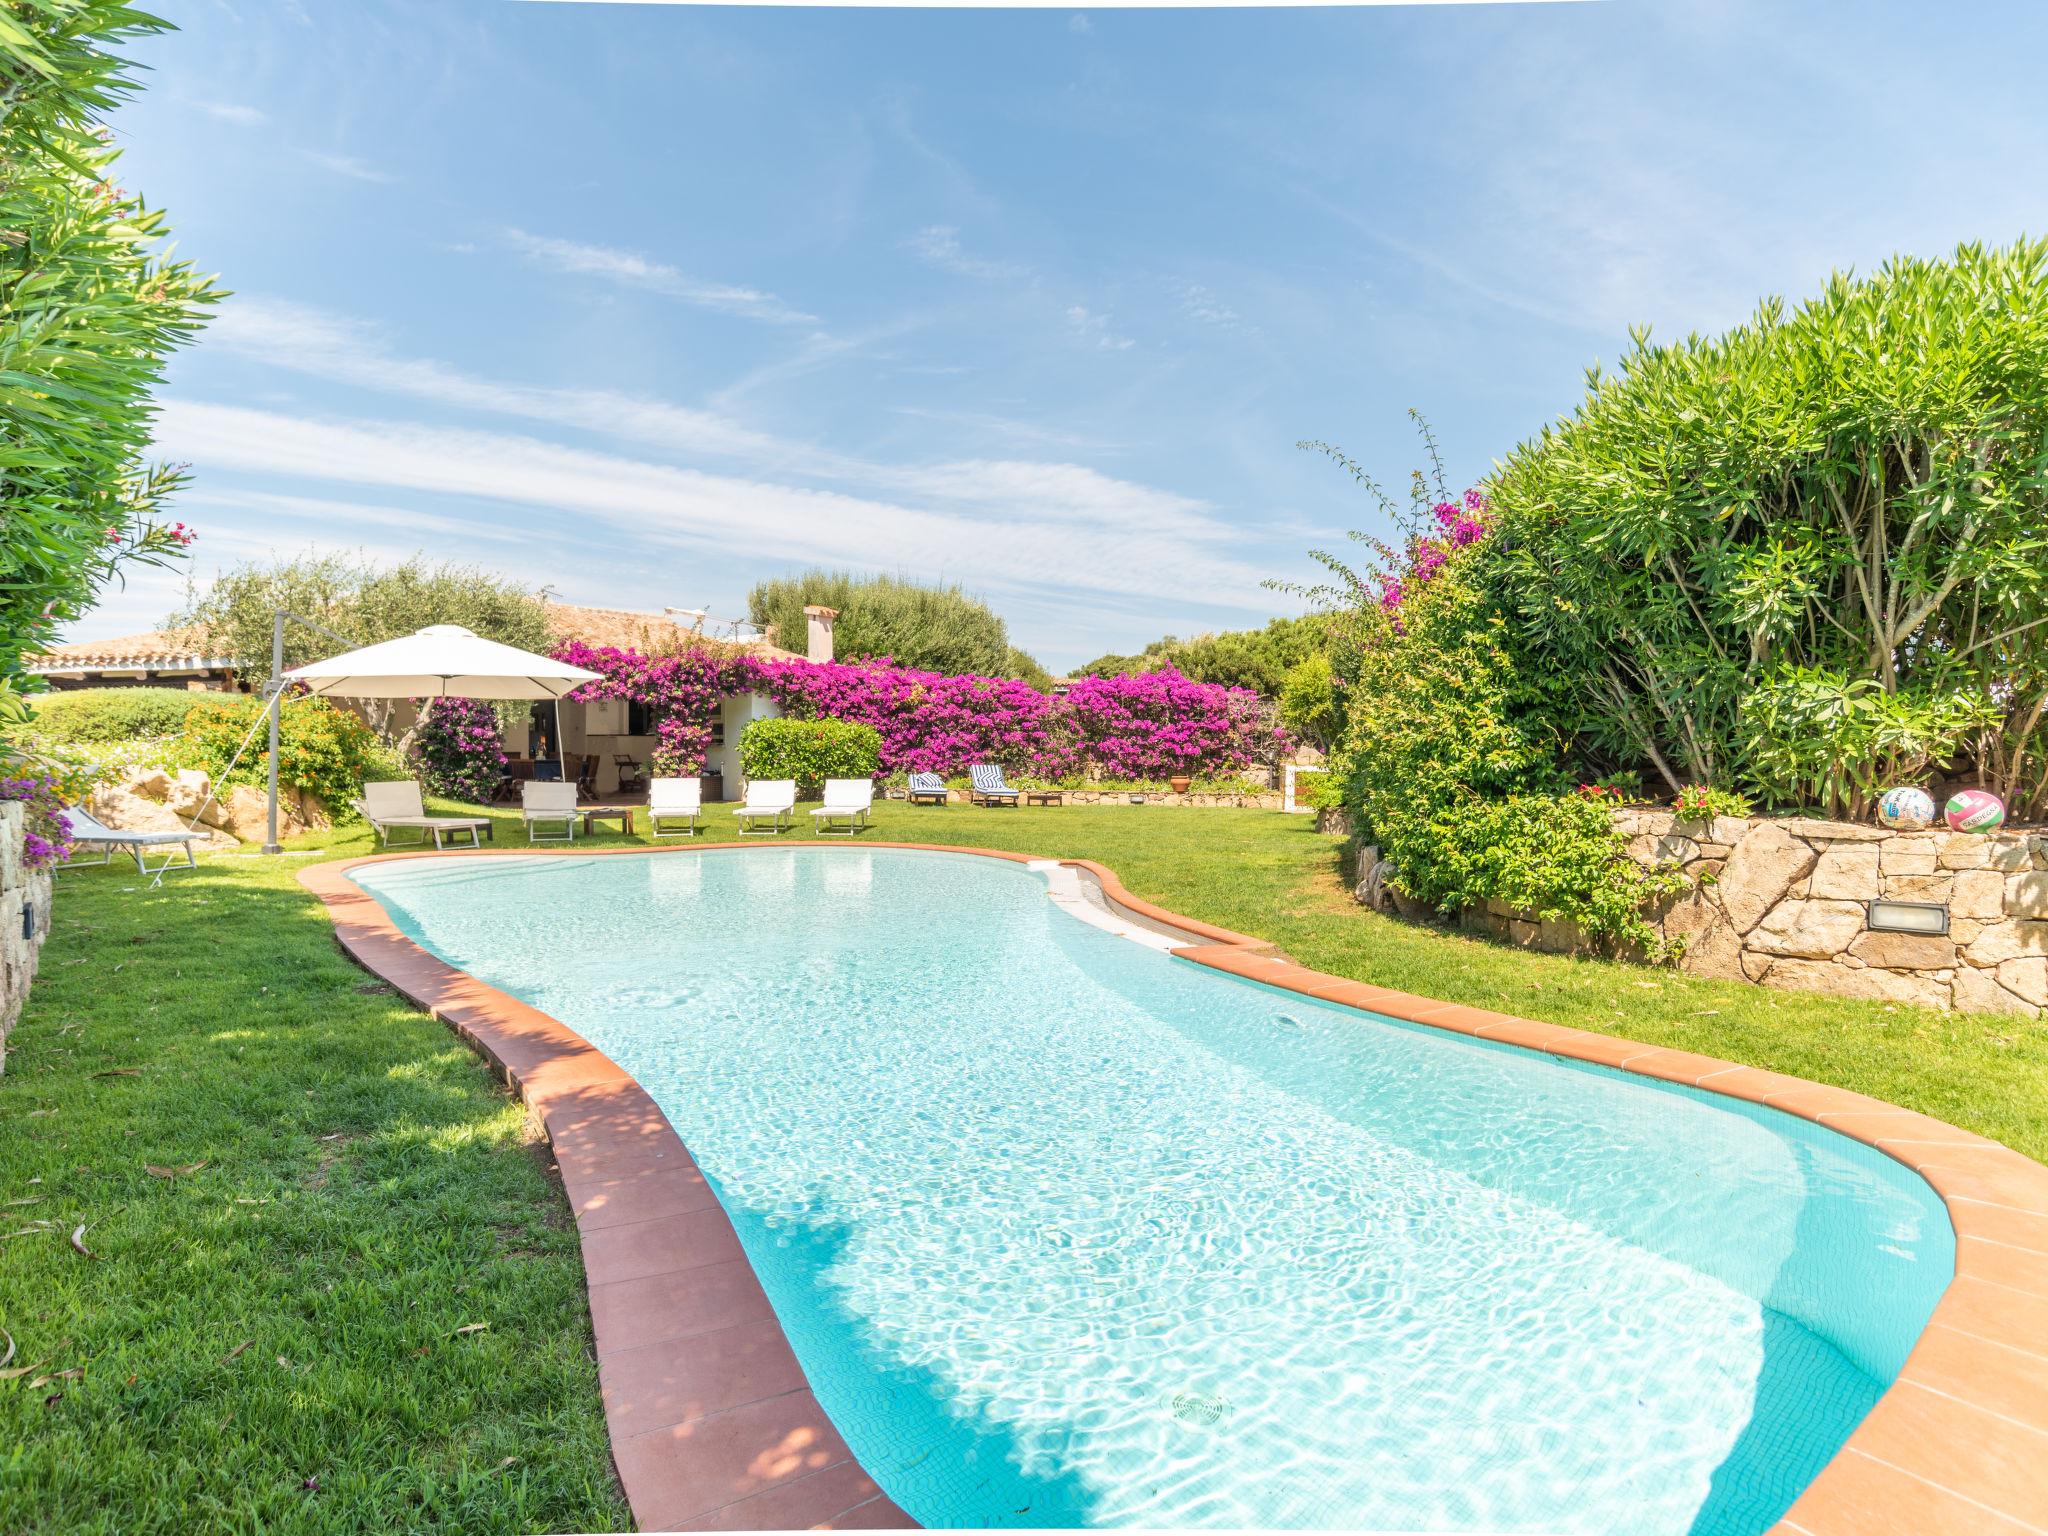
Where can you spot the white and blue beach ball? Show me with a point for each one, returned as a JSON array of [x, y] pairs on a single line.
[[1906, 808]]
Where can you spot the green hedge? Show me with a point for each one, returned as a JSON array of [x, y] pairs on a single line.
[[809, 751], [322, 750], [112, 715]]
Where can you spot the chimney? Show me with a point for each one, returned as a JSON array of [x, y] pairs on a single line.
[[818, 637]]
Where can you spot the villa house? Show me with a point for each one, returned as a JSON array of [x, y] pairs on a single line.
[[605, 728]]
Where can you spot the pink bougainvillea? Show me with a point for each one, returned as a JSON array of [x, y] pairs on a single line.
[[48, 838], [1152, 725], [459, 749], [1149, 725], [681, 694], [929, 722], [1452, 525]]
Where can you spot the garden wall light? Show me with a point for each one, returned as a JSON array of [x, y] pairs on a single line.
[[1929, 917]]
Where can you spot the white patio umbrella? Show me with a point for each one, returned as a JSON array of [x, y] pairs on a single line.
[[442, 661]]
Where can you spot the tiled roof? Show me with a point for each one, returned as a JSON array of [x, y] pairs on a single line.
[[632, 629], [153, 648]]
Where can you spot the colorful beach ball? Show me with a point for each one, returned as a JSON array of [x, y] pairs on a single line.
[[1975, 810], [1907, 809]]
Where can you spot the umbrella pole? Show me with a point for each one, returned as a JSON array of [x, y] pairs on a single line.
[[561, 747], [270, 842]]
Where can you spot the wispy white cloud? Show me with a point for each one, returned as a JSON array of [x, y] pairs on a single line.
[[233, 112], [1095, 329], [1198, 303], [1009, 526], [633, 270], [1029, 433], [347, 165], [327, 514], [938, 245], [313, 342]]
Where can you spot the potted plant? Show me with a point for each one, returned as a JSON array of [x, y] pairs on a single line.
[[1179, 783]]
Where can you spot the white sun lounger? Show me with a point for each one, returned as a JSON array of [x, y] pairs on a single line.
[[544, 801], [674, 800], [928, 787], [393, 805], [770, 800], [989, 788], [88, 830], [847, 801]]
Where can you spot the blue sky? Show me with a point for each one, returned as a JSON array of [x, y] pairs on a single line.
[[648, 302]]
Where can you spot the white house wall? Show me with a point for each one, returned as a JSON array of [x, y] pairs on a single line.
[[735, 715]]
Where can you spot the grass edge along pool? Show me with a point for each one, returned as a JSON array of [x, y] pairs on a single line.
[[1065, 1231]]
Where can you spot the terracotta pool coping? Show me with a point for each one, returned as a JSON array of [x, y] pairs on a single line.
[[713, 1425]]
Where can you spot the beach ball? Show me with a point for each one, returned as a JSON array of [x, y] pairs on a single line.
[[1906, 809], [1976, 810]]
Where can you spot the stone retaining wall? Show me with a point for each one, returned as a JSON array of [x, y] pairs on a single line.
[[24, 919], [1782, 902]]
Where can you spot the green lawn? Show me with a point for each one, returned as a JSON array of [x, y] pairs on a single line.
[[364, 1191]]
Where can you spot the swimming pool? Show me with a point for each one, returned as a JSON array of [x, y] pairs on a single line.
[[1068, 1232]]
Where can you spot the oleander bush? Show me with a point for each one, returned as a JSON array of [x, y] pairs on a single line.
[[1807, 555], [809, 751], [94, 305], [1805, 558]]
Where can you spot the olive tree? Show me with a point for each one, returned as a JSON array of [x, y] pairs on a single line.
[[359, 600], [364, 603], [931, 628]]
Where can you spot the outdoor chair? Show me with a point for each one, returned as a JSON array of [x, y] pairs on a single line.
[[89, 831], [395, 805], [770, 800], [631, 776], [927, 788], [586, 778], [674, 800], [847, 801], [544, 802], [988, 786]]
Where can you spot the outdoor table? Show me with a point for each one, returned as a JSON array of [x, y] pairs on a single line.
[[622, 814], [1045, 797]]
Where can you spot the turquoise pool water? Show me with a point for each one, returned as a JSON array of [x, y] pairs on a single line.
[[1068, 1232]]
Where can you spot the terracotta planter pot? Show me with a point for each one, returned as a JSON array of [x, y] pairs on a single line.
[[1179, 783]]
